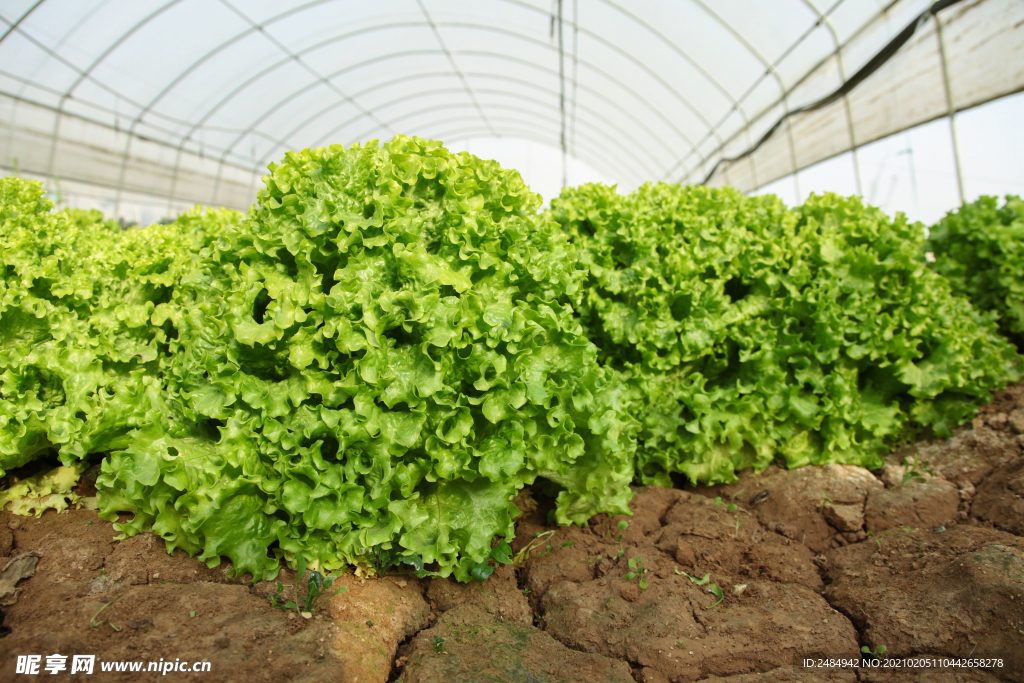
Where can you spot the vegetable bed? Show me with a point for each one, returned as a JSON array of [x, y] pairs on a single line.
[[397, 371], [367, 367]]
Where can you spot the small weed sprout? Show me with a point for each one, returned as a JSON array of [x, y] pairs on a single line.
[[915, 471], [731, 507], [637, 565], [715, 590], [440, 645], [877, 538], [623, 525], [695, 580], [825, 500], [524, 554], [93, 624], [876, 653], [317, 586]]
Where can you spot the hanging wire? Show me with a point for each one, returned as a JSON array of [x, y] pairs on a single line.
[[876, 62]]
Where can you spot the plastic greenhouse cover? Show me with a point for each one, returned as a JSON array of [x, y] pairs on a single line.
[[188, 100]]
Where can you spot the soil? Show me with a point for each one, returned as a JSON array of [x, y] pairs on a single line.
[[733, 583]]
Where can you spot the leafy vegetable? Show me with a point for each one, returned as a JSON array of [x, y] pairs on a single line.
[[45, 491], [748, 331], [377, 359], [367, 367], [980, 249], [79, 354]]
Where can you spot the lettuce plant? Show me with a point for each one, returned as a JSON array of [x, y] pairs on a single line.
[[373, 364], [79, 354], [748, 331], [980, 249]]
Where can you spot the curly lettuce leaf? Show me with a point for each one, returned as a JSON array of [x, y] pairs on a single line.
[[382, 348], [979, 248], [47, 490], [748, 332], [83, 310]]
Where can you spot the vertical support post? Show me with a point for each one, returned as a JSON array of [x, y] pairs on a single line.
[[849, 115], [853, 138], [951, 108], [575, 64], [561, 96], [792, 154]]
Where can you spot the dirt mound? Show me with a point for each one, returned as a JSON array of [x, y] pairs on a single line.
[[468, 643], [159, 607], [372, 617], [810, 505], [919, 592], [1000, 498], [665, 620]]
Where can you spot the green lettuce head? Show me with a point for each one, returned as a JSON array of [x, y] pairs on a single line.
[[751, 332], [79, 353], [980, 249], [373, 364]]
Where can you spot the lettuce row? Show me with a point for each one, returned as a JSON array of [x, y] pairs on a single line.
[[78, 353], [980, 249], [747, 331], [393, 342], [378, 358]]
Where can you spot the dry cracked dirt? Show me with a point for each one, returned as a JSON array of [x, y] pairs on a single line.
[[818, 561]]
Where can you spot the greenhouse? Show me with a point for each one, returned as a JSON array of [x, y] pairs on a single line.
[[577, 340]]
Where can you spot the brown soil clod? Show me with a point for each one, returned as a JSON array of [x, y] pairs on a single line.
[[803, 500], [1000, 498], [951, 593], [395, 607], [478, 646], [926, 504]]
